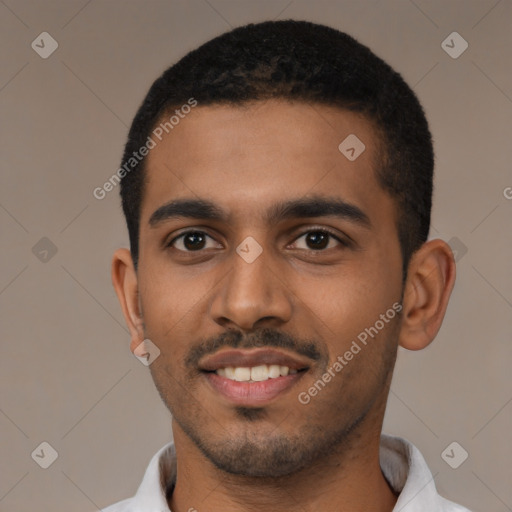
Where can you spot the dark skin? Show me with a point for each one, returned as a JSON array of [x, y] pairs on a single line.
[[319, 456]]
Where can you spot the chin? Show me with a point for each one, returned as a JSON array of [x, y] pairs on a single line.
[[278, 459]]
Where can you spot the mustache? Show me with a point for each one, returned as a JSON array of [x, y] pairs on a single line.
[[266, 337]]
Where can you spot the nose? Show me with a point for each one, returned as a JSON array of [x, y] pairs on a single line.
[[252, 295]]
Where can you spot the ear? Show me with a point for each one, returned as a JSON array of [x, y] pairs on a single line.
[[429, 284], [124, 279]]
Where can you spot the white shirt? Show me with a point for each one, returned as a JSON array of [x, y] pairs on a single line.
[[401, 462]]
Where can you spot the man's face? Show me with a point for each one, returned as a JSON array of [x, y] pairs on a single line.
[[250, 291]]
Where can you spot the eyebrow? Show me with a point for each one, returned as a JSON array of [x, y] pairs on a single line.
[[316, 206]]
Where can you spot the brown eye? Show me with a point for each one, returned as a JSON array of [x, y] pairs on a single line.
[[190, 241], [318, 240]]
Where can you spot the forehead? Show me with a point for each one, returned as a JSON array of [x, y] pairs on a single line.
[[246, 158]]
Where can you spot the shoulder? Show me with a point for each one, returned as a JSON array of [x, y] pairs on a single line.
[[152, 491], [407, 472]]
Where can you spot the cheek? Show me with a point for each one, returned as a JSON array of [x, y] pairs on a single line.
[[352, 301], [170, 297]]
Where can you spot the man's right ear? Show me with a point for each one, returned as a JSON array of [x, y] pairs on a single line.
[[124, 279]]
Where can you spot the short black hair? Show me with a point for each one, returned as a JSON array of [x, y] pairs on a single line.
[[307, 62]]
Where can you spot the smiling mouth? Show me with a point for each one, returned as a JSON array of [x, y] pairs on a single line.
[[253, 377], [256, 365], [260, 373]]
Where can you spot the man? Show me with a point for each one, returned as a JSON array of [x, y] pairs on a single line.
[[277, 188]]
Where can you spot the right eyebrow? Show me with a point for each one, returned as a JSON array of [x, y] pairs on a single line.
[[187, 208]]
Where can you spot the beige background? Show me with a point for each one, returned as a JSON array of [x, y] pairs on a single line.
[[67, 375]]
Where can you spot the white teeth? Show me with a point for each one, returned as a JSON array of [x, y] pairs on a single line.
[[230, 372], [273, 371], [242, 374], [259, 373], [256, 373]]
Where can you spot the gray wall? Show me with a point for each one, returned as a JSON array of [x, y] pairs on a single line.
[[68, 377]]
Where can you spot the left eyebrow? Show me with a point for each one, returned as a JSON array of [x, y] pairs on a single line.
[[316, 206]]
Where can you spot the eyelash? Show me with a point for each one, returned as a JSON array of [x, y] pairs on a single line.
[[343, 243]]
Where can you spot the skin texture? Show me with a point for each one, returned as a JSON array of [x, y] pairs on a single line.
[[323, 455]]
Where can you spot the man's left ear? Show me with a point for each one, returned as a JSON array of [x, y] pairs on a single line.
[[429, 284]]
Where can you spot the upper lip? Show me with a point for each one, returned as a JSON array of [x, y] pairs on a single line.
[[250, 358]]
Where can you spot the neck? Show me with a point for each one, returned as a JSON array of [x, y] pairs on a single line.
[[348, 479]]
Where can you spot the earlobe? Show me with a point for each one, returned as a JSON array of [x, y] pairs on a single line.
[[124, 279], [430, 280]]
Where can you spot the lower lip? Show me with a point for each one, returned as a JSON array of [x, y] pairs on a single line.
[[252, 393]]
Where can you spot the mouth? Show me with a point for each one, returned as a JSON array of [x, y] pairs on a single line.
[[259, 373], [255, 377]]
